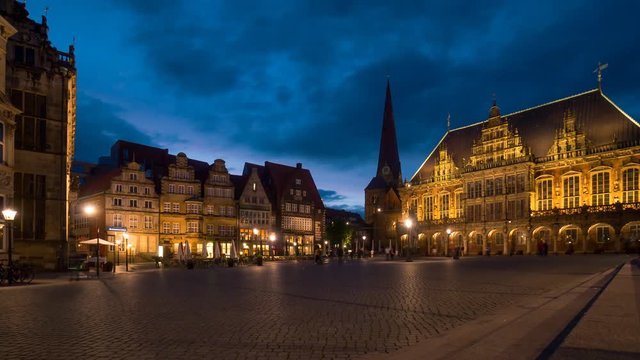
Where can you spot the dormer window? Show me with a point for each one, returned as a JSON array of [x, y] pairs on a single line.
[[133, 177], [298, 182]]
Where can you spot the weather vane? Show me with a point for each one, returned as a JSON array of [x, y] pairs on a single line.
[[598, 70]]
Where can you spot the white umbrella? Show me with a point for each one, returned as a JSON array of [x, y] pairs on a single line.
[[180, 252], [187, 251], [99, 241], [234, 252], [216, 250], [205, 254]]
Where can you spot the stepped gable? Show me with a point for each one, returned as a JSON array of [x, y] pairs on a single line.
[[597, 116]]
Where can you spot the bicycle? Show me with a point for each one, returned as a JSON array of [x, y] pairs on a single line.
[[22, 273]]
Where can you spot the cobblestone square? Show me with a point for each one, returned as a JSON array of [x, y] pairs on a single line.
[[284, 310]]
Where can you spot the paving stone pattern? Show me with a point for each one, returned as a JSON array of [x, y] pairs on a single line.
[[278, 311]]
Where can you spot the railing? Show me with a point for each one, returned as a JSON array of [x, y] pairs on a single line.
[[585, 209]]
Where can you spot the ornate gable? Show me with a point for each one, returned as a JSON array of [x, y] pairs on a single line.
[[444, 168], [570, 140], [498, 142]]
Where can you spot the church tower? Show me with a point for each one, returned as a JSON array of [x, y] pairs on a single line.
[[383, 207]]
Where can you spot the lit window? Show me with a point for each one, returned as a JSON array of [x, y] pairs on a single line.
[[571, 191], [545, 194], [600, 188], [630, 185]]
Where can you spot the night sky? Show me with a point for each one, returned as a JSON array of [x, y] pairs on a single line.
[[304, 81]]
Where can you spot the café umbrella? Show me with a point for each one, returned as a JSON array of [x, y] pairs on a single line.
[[180, 252], [216, 250], [187, 251], [98, 241]]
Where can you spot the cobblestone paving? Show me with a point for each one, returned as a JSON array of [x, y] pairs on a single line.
[[278, 311]]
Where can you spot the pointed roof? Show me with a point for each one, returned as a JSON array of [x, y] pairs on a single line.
[[602, 121], [388, 140]]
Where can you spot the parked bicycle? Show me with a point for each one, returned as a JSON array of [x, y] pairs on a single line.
[[21, 273]]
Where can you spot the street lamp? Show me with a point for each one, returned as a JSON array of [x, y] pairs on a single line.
[[9, 215], [364, 237], [255, 235], [408, 223], [126, 251], [272, 238], [295, 249], [118, 242], [325, 247], [90, 210]]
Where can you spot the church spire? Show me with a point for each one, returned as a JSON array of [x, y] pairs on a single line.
[[388, 159]]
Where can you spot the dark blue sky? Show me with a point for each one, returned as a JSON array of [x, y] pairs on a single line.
[[303, 81]]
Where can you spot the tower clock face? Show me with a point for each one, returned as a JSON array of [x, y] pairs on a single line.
[[386, 170]]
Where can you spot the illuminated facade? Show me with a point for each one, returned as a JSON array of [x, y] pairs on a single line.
[[254, 211], [41, 84], [125, 202], [220, 221], [562, 176]]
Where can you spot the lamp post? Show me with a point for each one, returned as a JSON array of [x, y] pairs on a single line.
[[90, 210], [118, 242], [364, 237], [255, 235], [272, 238], [126, 251], [409, 224], [295, 249], [9, 215], [326, 250]]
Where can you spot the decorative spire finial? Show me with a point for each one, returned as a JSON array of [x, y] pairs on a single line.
[[448, 121], [598, 70]]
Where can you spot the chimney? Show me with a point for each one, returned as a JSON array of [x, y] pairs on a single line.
[[298, 165]]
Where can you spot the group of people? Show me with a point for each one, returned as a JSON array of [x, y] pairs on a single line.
[[543, 248]]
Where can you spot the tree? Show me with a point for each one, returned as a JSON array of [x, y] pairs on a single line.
[[339, 233]]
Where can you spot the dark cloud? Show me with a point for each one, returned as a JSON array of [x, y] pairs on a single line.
[[99, 126], [306, 79], [330, 196]]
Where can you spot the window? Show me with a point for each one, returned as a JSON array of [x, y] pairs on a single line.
[[166, 207], [298, 182], [511, 184], [117, 202], [571, 191], [193, 208], [133, 221], [147, 191], [148, 222], [230, 211], [211, 229], [192, 227], [520, 179], [180, 189], [31, 125], [190, 190], [172, 188], [287, 207], [489, 187], [148, 204], [166, 228], [133, 177], [175, 207], [428, 207], [209, 209], [630, 185], [459, 208], [221, 210], [117, 220], [479, 239], [133, 189], [119, 188], [474, 189], [133, 203], [175, 228], [499, 238], [254, 186], [602, 234], [545, 194], [444, 206], [24, 55], [600, 189], [499, 187]]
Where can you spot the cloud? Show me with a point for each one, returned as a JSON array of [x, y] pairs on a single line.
[[330, 196], [99, 126]]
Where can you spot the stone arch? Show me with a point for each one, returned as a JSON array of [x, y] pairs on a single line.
[[630, 237], [438, 243], [475, 245], [518, 241], [602, 237], [570, 239]]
